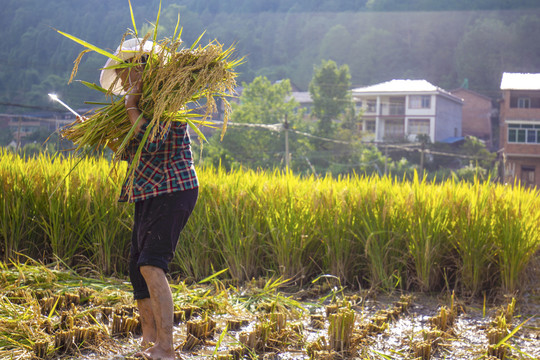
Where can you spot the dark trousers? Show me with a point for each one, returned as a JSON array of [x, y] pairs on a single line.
[[158, 222]]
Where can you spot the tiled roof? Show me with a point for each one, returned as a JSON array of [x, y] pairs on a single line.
[[303, 97], [405, 86], [398, 85], [520, 81]]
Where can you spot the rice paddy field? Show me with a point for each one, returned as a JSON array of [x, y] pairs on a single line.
[[273, 266]]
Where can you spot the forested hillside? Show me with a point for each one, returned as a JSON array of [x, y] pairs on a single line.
[[443, 42]]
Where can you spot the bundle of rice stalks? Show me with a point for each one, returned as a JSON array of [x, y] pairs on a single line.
[[178, 84], [341, 329], [236, 324], [124, 325], [422, 350], [203, 328]]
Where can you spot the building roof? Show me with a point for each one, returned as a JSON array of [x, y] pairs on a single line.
[[398, 85], [405, 86], [474, 93], [303, 97], [453, 140], [520, 81]]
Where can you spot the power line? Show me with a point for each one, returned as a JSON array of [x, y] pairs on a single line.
[[410, 147]]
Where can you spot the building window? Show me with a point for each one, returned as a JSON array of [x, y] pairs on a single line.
[[524, 133], [370, 126], [394, 129], [527, 175], [524, 103], [371, 106], [420, 102], [419, 126]]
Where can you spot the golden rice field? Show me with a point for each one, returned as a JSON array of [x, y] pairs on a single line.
[[358, 238]]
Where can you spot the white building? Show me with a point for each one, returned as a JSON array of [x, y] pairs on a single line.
[[402, 109]]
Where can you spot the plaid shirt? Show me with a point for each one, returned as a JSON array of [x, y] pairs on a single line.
[[166, 165]]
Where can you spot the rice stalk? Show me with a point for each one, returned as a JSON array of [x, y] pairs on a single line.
[[16, 204], [300, 226], [178, 85], [428, 230], [289, 225], [516, 232], [384, 240], [340, 330], [337, 226], [472, 236], [235, 237]]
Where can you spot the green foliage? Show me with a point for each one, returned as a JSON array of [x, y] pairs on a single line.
[[487, 49], [6, 136], [330, 91], [261, 103], [466, 161], [281, 39], [435, 5]]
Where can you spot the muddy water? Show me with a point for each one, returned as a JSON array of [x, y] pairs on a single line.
[[465, 340]]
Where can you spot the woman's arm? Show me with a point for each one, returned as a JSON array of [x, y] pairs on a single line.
[[133, 84], [132, 81]]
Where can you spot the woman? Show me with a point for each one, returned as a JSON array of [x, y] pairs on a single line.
[[164, 190]]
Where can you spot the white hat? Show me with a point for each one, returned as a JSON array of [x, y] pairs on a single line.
[[128, 49]]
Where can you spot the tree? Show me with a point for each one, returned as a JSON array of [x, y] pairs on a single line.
[[6, 136], [266, 105], [337, 44], [329, 90], [486, 50]]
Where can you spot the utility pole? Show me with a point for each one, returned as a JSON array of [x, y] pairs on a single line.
[[18, 136], [385, 159], [286, 127], [422, 158]]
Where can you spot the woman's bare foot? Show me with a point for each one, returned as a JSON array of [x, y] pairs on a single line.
[[156, 353]]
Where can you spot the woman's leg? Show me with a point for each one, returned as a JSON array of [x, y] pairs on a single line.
[[162, 310]]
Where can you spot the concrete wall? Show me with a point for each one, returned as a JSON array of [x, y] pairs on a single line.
[[477, 110], [448, 118]]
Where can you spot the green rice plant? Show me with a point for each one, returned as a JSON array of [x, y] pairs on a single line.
[[234, 210], [16, 204], [516, 232], [222, 230], [59, 214], [471, 234], [264, 224], [336, 208], [108, 236], [428, 217], [194, 257], [64, 211], [384, 237], [290, 221], [63, 227]]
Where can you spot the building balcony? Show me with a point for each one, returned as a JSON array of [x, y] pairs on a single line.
[[389, 109]]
